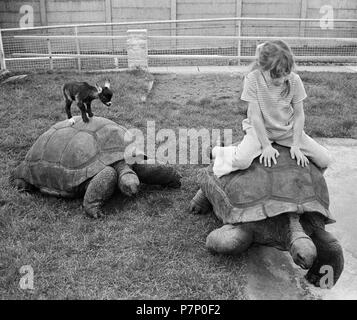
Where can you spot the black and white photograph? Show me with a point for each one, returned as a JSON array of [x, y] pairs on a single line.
[[180, 155]]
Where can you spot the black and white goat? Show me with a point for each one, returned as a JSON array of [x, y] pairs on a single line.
[[83, 93]]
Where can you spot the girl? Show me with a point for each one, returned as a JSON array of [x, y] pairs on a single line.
[[275, 97]]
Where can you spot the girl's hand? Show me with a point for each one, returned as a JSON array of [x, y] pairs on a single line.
[[296, 153], [268, 154]]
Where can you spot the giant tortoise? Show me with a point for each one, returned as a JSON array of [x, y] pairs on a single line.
[[88, 159], [284, 206]]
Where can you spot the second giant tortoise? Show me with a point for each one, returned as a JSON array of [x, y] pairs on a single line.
[[87, 159], [284, 206]]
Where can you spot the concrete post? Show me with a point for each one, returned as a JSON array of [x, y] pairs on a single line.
[[137, 48], [2, 54]]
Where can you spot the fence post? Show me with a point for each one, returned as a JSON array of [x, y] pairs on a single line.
[[78, 48], [137, 48], [303, 15], [2, 54], [173, 26], [43, 13], [50, 53], [239, 4], [109, 19]]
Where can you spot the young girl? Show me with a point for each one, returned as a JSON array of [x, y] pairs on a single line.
[[275, 97]]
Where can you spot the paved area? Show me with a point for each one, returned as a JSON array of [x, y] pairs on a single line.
[[243, 69], [273, 275], [342, 183]]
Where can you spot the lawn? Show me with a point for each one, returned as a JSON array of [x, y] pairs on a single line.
[[148, 247]]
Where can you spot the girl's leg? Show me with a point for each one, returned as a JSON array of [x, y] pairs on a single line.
[[240, 157], [315, 152]]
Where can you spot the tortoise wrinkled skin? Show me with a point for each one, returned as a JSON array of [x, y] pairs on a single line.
[[87, 159], [285, 206]]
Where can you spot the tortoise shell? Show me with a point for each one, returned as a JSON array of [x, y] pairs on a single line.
[[67, 155], [261, 192]]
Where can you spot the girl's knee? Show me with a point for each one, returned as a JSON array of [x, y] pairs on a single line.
[[316, 152], [325, 160], [328, 160]]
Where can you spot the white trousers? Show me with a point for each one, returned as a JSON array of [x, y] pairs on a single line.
[[240, 157]]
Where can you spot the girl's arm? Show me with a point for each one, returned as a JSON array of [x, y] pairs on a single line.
[[268, 152], [298, 123], [298, 126], [258, 123]]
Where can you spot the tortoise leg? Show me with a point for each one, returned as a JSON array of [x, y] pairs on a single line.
[[328, 265], [99, 189], [22, 185], [200, 204], [157, 174], [301, 247], [16, 181], [229, 239], [128, 181]]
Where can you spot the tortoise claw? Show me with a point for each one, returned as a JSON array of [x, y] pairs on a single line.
[[194, 209], [313, 279], [94, 213]]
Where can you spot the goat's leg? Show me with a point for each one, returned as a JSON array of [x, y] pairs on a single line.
[[82, 107], [68, 108], [68, 111], [89, 109]]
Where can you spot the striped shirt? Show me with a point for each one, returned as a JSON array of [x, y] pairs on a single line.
[[277, 110]]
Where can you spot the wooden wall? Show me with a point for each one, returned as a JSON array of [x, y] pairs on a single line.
[[70, 12], [10, 12], [140, 10], [53, 12]]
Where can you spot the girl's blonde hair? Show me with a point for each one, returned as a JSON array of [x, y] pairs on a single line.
[[277, 58]]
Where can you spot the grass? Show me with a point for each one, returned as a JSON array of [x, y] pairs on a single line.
[[148, 247]]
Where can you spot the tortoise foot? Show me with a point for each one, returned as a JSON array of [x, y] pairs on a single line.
[[200, 204], [99, 190], [229, 239], [329, 264], [94, 213], [314, 279]]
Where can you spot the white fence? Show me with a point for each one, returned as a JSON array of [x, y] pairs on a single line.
[[220, 41]]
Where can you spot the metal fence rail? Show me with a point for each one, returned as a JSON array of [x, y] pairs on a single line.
[[220, 41]]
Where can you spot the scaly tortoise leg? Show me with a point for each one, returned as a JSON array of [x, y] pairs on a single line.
[[22, 185], [200, 204], [329, 259], [128, 181], [229, 239], [99, 190]]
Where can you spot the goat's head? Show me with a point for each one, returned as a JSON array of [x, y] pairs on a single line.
[[105, 94]]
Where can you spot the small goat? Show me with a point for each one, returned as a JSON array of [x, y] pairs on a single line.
[[83, 93]]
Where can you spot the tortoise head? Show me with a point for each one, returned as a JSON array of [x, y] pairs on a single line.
[[303, 251]]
